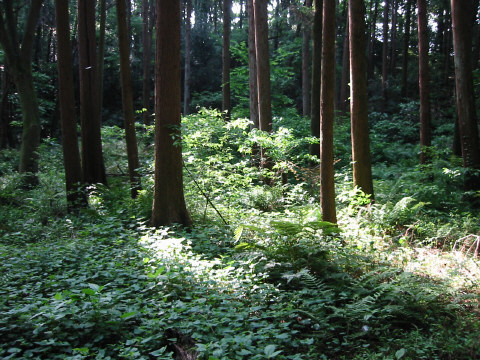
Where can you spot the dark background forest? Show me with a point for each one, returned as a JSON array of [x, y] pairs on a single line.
[[239, 179]]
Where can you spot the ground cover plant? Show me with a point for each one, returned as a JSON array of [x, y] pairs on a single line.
[[259, 276]]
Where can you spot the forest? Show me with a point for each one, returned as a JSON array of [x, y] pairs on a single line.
[[239, 179]]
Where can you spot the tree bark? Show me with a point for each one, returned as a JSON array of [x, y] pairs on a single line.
[[467, 121], [19, 58], [393, 52], [362, 167], [263, 65], [101, 53], [188, 57], [6, 80], [424, 81], [226, 101], [168, 199], [127, 98], [92, 157], [327, 103], [76, 196], [406, 43], [252, 66], [316, 73]]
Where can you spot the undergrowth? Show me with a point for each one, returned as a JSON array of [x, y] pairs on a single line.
[[275, 282]]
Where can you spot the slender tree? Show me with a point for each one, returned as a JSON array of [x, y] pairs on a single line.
[[386, 12], [423, 80], [168, 199], [467, 121], [252, 66], [92, 157], [406, 46], [327, 103], [102, 9], [316, 73], [373, 39], [263, 65], [343, 101], [306, 62], [127, 97], [76, 196], [188, 57], [226, 106], [362, 168], [393, 50], [19, 59]]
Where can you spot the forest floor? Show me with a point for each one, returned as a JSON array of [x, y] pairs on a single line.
[[397, 279]]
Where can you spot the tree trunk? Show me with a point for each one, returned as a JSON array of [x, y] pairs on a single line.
[[467, 121], [101, 53], [76, 196], [226, 105], [252, 66], [19, 58], [147, 60], [5, 138], [127, 98], [168, 198], [371, 43], [263, 65], [393, 52], [327, 103], [316, 73], [92, 158], [385, 53], [188, 57], [362, 167], [343, 102], [423, 81], [306, 62], [406, 43]]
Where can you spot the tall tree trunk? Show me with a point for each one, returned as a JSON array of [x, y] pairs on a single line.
[[371, 43], [327, 103], [385, 52], [19, 58], [406, 43], [345, 80], [188, 57], [252, 66], [467, 120], [423, 81], [147, 61], [393, 56], [316, 73], [362, 167], [263, 65], [76, 196], [6, 80], [127, 98], [168, 199], [226, 103], [306, 62], [101, 53], [92, 157]]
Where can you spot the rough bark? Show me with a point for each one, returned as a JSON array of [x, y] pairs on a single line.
[[327, 103], [127, 98], [406, 43], [343, 102], [168, 198], [467, 121], [19, 59], [92, 157], [316, 73], [76, 196], [252, 66], [362, 167], [226, 101], [423, 81]]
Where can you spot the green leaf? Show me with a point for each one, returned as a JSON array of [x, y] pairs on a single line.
[[58, 296], [88, 291], [400, 353], [128, 314]]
